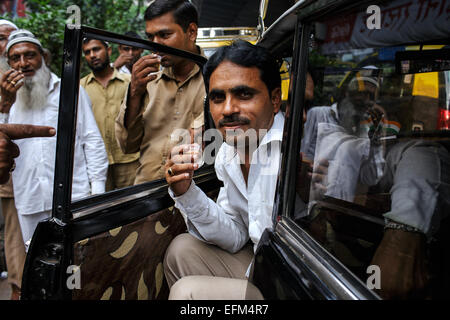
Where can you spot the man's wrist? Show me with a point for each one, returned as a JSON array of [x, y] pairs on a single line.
[[181, 193], [117, 65], [135, 95], [184, 194], [133, 108]]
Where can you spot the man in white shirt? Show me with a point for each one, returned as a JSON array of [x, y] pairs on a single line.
[[245, 97], [30, 95]]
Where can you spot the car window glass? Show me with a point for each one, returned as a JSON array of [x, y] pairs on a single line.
[[373, 183], [103, 162]]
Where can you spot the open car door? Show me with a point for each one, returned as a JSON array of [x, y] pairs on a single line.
[[108, 246]]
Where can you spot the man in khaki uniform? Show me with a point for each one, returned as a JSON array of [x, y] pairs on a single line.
[[14, 247], [159, 102], [106, 88]]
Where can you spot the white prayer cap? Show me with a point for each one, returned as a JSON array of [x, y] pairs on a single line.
[[354, 82], [9, 23], [21, 35]]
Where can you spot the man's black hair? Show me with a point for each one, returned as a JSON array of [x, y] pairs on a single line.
[[132, 34], [245, 54], [184, 12], [86, 40]]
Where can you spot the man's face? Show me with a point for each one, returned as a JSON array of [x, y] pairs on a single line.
[[361, 91], [5, 31], [25, 57], [96, 54], [239, 99], [133, 51], [164, 30]]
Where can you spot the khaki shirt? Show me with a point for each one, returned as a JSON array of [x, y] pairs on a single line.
[[105, 105], [169, 105]]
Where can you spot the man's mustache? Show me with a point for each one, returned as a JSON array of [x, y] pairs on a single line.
[[234, 119]]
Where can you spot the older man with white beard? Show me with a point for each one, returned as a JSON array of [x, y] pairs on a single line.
[[30, 94]]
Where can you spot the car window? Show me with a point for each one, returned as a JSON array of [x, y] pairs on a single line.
[[373, 182]]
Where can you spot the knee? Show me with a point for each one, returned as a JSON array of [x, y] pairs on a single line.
[[178, 250], [183, 251], [182, 289]]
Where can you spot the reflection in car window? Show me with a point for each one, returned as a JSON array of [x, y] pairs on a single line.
[[374, 168], [137, 152]]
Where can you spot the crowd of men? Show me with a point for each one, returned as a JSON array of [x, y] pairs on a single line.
[[123, 120], [126, 114], [127, 110]]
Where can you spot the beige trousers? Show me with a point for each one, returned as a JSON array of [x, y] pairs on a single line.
[[121, 175], [14, 246], [200, 271], [213, 288]]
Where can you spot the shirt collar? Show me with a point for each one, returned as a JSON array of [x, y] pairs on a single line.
[[168, 72], [275, 132]]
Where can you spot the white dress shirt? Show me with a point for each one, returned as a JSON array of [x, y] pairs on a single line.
[[34, 174], [241, 212]]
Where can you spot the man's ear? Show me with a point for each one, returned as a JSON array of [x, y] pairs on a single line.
[[47, 57], [109, 50], [275, 97], [192, 30]]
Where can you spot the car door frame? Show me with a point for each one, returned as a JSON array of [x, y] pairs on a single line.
[[50, 253], [300, 267]]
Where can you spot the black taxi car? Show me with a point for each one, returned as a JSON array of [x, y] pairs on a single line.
[[374, 219], [368, 219]]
